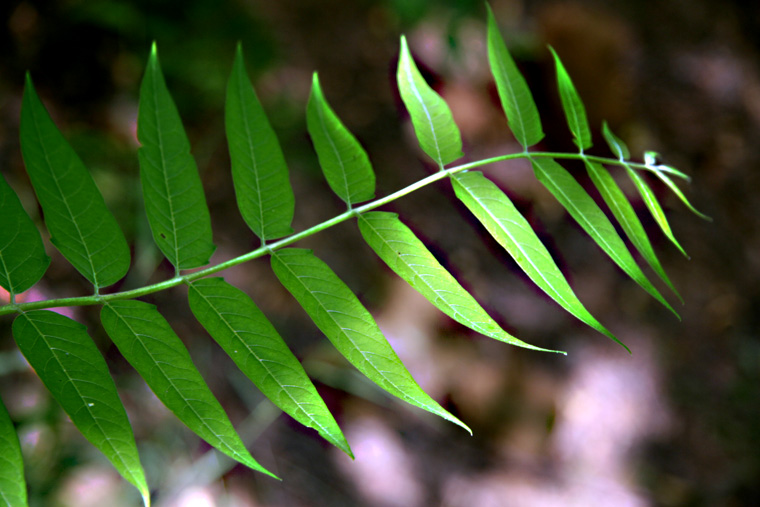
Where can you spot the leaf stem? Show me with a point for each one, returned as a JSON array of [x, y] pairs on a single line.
[[267, 248]]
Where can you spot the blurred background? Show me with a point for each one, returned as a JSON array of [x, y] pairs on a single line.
[[675, 424]]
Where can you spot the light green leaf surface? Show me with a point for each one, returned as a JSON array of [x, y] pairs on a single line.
[[23, 260], [259, 172], [618, 147], [344, 162], [73, 370], [669, 182], [626, 217], [172, 190], [575, 112], [150, 345], [408, 257], [12, 482], [81, 226], [502, 220], [339, 314], [654, 207], [247, 336], [516, 98], [431, 117], [592, 219]]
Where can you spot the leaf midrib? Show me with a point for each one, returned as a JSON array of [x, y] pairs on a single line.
[[116, 452], [64, 199], [342, 331], [262, 363], [158, 366], [159, 134]]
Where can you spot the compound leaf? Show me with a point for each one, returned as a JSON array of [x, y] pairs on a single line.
[[626, 217], [73, 370], [432, 120], [23, 260], [247, 336], [516, 98], [572, 104], [408, 257], [592, 219], [81, 226], [259, 172], [12, 482], [172, 191], [338, 313], [149, 344], [502, 220], [654, 207], [344, 162]]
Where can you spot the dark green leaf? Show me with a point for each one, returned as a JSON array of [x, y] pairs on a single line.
[[247, 336], [71, 367], [516, 99], [338, 313], [23, 260], [80, 225], [654, 207], [344, 162], [150, 345], [585, 211], [408, 257], [172, 191], [432, 120], [259, 172], [626, 217], [502, 220], [12, 482], [575, 112]]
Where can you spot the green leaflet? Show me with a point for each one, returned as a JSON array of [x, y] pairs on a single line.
[[516, 98], [432, 120], [666, 179], [150, 345], [618, 147], [575, 112], [23, 260], [259, 172], [172, 191], [80, 225], [247, 336], [626, 217], [586, 212], [338, 313], [12, 482], [502, 220], [408, 257], [73, 370], [344, 162], [654, 207]]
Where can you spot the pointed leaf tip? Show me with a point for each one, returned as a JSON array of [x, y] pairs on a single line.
[[343, 160], [339, 314], [433, 123], [410, 259], [511, 230], [514, 93], [80, 225], [575, 111], [247, 336], [259, 172]]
